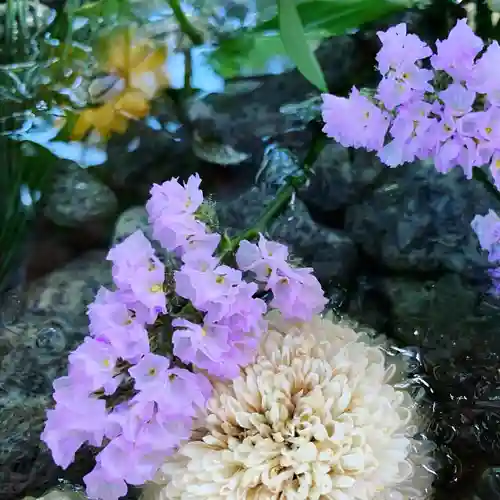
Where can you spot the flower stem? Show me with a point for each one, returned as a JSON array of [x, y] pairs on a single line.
[[284, 194], [188, 29]]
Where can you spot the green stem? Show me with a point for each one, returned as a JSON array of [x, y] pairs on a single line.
[[480, 175], [188, 73], [194, 35], [283, 196]]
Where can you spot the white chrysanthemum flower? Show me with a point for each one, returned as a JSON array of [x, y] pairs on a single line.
[[314, 417]]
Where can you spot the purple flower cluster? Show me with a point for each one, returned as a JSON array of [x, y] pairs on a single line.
[[450, 113], [137, 435], [296, 291], [138, 405], [487, 229]]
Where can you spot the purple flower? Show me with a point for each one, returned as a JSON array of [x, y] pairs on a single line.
[[97, 360], [126, 460], [203, 346], [395, 90], [487, 229], [410, 135], [298, 295], [72, 423], [171, 198], [354, 122], [184, 393], [136, 269], [150, 371], [202, 242], [456, 54], [262, 259], [132, 253], [172, 209], [457, 99], [175, 231], [201, 287], [162, 435], [101, 486], [447, 155], [485, 77], [118, 321], [400, 51], [494, 274], [495, 168]]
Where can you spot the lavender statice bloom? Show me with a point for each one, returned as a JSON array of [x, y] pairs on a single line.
[[100, 485], [77, 418], [410, 133], [400, 50], [149, 371], [171, 198], [495, 168], [205, 345], [98, 361], [456, 54], [487, 229], [115, 319], [203, 281], [171, 209], [403, 80], [297, 293], [355, 121], [485, 77], [136, 269], [233, 320], [457, 99], [149, 427]]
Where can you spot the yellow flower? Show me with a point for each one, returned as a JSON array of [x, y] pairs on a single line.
[[136, 73]]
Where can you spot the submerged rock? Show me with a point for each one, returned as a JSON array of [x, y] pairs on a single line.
[[77, 197], [64, 493], [340, 178], [419, 220], [33, 352]]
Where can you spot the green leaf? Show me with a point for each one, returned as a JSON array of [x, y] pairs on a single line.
[[336, 17], [254, 54], [295, 42]]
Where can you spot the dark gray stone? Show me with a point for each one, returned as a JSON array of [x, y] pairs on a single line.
[[419, 220], [339, 178], [77, 198], [448, 316], [33, 352], [330, 252]]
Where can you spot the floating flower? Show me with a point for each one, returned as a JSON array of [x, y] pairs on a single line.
[[314, 416], [136, 73]]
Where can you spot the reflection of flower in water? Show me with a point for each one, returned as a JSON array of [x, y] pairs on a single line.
[[136, 72], [318, 415]]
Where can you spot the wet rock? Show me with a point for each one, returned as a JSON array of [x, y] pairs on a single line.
[[447, 315], [66, 492], [77, 197], [488, 487], [33, 352], [419, 220], [330, 252], [340, 178], [130, 221]]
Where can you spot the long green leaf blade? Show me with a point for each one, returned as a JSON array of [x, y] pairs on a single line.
[[295, 42], [335, 17]]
